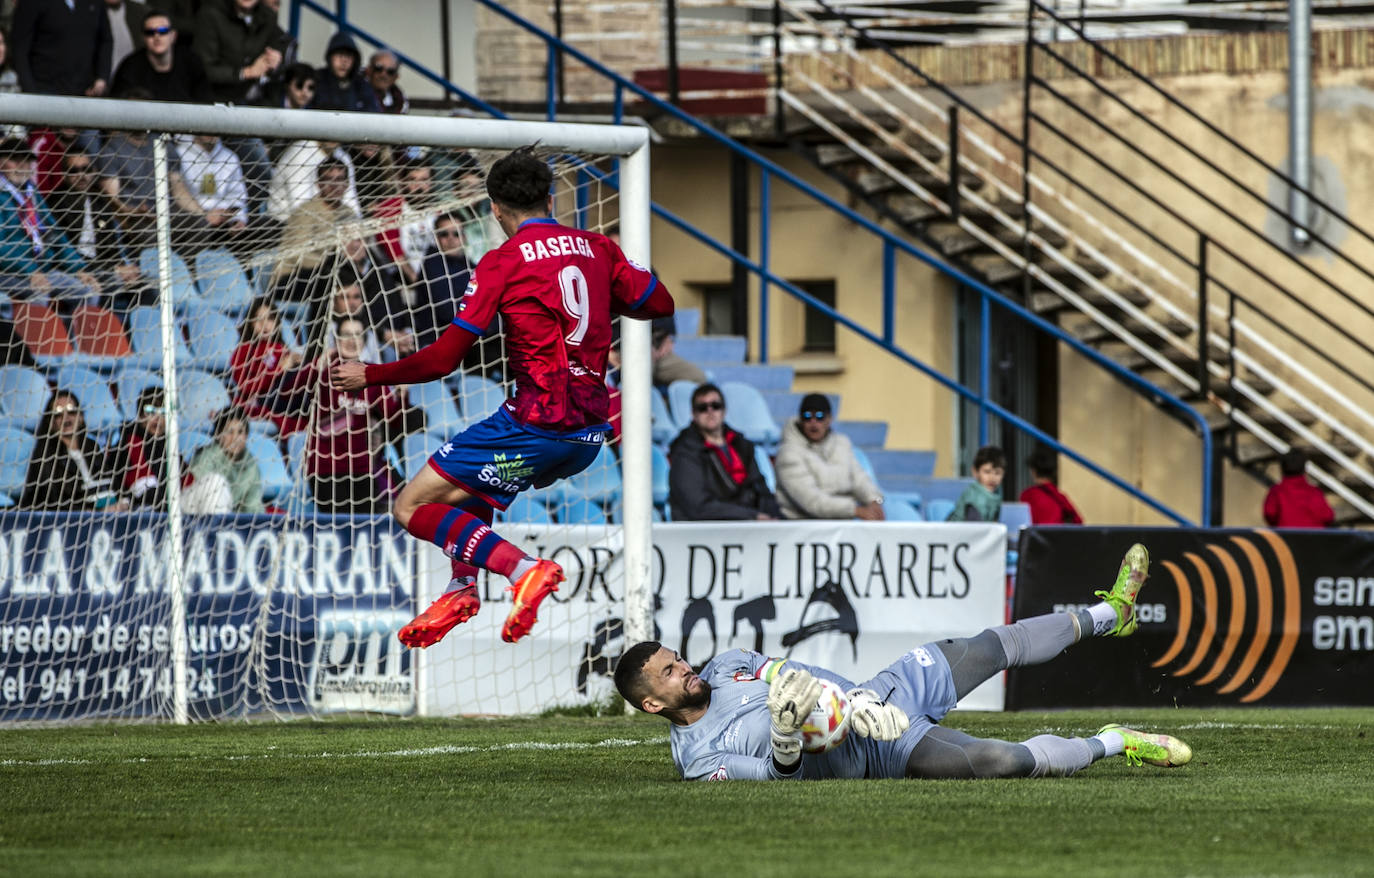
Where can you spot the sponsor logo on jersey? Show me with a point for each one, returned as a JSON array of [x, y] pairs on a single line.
[[505, 474], [636, 266], [467, 293], [560, 245]]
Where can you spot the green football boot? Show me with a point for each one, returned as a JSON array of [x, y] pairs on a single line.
[[1135, 568], [1166, 751]]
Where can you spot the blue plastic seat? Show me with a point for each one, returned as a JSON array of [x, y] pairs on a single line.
[[276, 481], [441, 412], [660, 477], [23, 396], [295, 456], [416, 450], [129, 383], [479, 396], [16, 447], [527, 508], [213, 339], [1015, 516], [897, 509], [770, 475], [598, 483], [199, 396], [747, 412], [184, 290], [581, 510], [665, 429], [938, 509], [145, 334], [680, 403], [223, 285], [92, 391], [865, 464]]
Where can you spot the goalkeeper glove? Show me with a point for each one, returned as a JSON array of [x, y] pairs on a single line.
[[874, 719], [791, 696]]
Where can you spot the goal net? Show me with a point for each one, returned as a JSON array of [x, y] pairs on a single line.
[[196, 526]]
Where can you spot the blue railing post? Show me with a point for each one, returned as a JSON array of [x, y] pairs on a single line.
[[984, 366], [550, 83], [580, 198], [293, 19], [765, 210], [889, 293]]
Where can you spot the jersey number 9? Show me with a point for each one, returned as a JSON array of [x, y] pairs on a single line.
[[576, 301]]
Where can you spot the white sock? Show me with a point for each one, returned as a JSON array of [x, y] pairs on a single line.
[[1058, 757], [523, 566], [460, 583], [1104, 618], [1112, 742]]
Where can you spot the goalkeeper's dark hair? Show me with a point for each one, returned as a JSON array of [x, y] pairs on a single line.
[[629, 672], [520, 181]]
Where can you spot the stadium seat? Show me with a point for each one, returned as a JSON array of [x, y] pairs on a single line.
[[680, 403], [23, 396], [145, 333], [276, 481], [223, 285], [100, 338], [897, 509], [866, 464], [441, 412], [213, 339], [665, 429], [295, 456], [938, 509], [527, 508], [417, 448], [581, 510], [660, 477], [43, 332], [93, 392], [1015, 516], [598, 483], [478, 397], [747, 412], [183, 285], [770, 475], [199, 396], [191, 441], [16, 446], [129, 383]]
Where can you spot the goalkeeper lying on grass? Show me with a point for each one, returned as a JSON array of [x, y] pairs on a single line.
[[742, 717]]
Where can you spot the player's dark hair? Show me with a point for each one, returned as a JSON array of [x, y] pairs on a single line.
[[704, 390], [520, 181], [1293, 462], [1043, 463], [629, 672], [990, 454]]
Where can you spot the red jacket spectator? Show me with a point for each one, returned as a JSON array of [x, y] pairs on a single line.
[[1296, 502], [1049, 505]]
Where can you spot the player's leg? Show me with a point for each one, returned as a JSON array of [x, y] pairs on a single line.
[[1036, 640], [944, 753]]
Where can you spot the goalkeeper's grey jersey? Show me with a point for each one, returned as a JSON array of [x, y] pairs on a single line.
[[731, 742]]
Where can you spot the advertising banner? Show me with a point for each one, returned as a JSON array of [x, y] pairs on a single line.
[[303, 618], [1275, 617], [850, 597]]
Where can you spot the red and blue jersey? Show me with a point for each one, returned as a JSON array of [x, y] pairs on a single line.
[[555, 289]]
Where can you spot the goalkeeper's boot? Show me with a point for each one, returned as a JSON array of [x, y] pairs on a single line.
[[529, 591], [452, 609], [1135, 567], [1165, 751]]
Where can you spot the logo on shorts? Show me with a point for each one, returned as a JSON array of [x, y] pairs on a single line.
[[506, 474], [922, 657]]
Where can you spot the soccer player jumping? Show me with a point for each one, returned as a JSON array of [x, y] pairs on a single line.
[[555, 289]]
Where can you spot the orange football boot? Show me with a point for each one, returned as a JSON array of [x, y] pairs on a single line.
[[529, 591], [452, 609]]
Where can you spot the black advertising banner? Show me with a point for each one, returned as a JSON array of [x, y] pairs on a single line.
[[1234, 616]]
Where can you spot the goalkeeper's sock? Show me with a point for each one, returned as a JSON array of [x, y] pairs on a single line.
[[1038, 639], [465, 537], [1112, 742], [1059, 757]]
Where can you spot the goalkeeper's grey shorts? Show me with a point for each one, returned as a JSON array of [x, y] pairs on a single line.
[[921, 684]]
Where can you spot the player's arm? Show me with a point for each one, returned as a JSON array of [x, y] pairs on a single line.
[[657, 302], [735, 766], [635, 291], [427, 364]]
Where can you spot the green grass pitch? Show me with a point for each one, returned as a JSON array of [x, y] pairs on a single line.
[[1270, 792]]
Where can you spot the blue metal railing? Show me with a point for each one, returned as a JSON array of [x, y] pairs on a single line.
[[891, 246]]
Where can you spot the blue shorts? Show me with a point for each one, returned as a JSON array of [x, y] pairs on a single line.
[[499, 457]]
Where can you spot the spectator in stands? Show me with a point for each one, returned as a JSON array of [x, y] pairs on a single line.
[[36, 259], [140, 458], [668, 366], [242, 47], [48, 146], [346, 472], [1048, 504], [126, 170], [714, 475], [295, 90], [125, 22], [345, 303], [981, 500], [388, 312], [159, 69], [819, 475], [382, 72], [259, 362], [9, 84], [305, 240], [375, 172], [444, 276], [1294, 501], [408, 233], [341, 84], [67, 470], [295, 178], [216, 182], [62, 47], [86, 215], [226, 462]]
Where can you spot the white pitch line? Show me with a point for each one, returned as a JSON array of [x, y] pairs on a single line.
[[446, 750]]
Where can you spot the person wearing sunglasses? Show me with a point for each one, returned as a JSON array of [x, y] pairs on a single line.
[[140, 457], [382, 73], [341, 85], [157, 67], [714, 475], [819, 476], [67, 471]]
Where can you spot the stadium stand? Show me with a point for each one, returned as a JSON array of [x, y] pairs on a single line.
[[23, 396]]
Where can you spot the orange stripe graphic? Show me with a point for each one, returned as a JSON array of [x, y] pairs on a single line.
[[1209, 614], [1264, 619], [1292, 617], [1185, 615], [1236, 624]]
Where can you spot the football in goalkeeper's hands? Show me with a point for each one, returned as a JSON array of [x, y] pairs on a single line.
[[827, 725]]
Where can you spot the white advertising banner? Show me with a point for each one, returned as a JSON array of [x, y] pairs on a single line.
[[852, 597]]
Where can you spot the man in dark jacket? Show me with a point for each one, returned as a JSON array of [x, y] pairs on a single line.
[[166, 73], [714, 476], [61, 49], [341, 84]]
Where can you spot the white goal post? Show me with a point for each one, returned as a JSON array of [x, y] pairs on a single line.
[[109, 609]]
